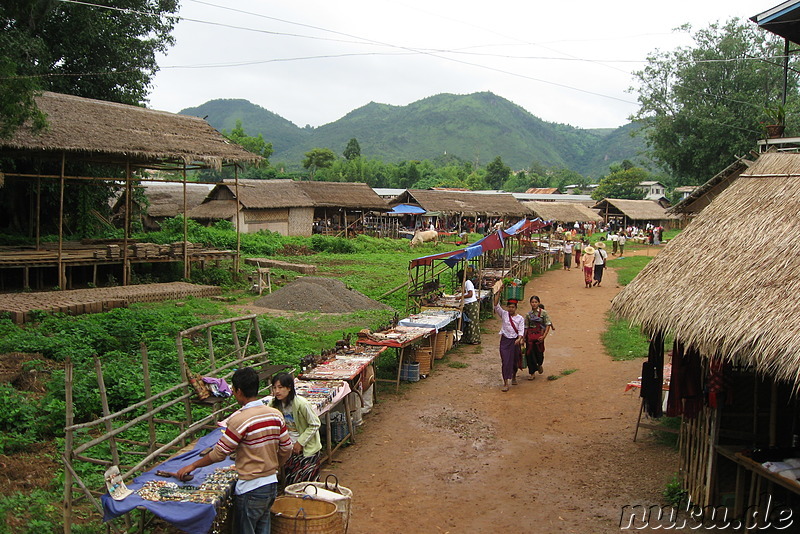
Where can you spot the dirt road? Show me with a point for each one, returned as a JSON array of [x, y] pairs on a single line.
[[455, 454]]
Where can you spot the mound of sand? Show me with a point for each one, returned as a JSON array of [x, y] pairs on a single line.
[[325, 295]]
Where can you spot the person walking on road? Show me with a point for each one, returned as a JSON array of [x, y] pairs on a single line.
[[587, 260], [537, 326], [511, 336], [599, 262]]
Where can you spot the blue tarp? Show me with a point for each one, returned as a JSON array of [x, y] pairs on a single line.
[[407, 208]]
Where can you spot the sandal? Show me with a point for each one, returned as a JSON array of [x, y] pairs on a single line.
[[504, 388], [531, 377], [513, 381]]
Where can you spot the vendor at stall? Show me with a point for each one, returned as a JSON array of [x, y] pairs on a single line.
[[471, 326], [303, 425], [259, 437]]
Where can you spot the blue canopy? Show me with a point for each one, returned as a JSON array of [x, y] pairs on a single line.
[[407, 208]]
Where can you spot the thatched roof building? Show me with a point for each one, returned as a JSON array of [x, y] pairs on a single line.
[[725, 288], [289, 207], [84, 128], [700, 197], [562, 211], [709, 281], [462, 203], [163, 200], [638, 212]]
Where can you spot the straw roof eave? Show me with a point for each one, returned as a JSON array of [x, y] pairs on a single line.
[[90, 129], [725, 285], [467, 203]]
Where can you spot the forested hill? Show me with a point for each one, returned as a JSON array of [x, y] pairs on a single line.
[[476, 127]]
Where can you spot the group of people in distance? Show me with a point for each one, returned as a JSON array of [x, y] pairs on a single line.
[[265, 437], [522, 339]]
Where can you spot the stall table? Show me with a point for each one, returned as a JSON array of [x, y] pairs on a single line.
[[400, 338]]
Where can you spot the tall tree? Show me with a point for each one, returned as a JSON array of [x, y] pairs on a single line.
[[497, 173], [352, 150], [622, 183], [83, 50], [318, 158], [702, 105]]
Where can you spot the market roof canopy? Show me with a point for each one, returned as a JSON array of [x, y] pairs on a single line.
[[635, 210], [741, 305], [117, 133], [782, 20], [562, 211], [464, 202]]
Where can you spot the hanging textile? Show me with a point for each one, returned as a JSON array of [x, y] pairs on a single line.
[[653, 376], [686, 383]]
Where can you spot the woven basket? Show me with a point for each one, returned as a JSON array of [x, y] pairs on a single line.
[[423, 357], [440, 345], [334, 493], [301, 515]]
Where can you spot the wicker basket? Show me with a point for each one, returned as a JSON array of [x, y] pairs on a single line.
[[301, 515], [334, 493], [423, 358], [440, 345]]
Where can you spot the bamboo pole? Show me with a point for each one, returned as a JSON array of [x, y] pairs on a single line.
[[210, 343], [238, 226], [88, 493], [148, 391], [38, 213], [101, 384], [258, 335], [186, 268], [68, 440]]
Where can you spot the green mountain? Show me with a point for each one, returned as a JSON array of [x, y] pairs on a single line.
[[476, 127]]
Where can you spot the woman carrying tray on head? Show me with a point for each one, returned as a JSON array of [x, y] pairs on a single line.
[[303, 425], [471, 326], [511, 337]]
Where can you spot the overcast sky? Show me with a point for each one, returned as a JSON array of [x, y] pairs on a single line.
[[312, 62]]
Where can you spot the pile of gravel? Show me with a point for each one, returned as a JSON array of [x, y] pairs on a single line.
[[326, 295]]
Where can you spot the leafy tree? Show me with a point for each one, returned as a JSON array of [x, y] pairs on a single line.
[[318, 158], [497, 173], [256, 145], [518, 183], [107, 54], [352, 150], [701, 105], [622, 183]]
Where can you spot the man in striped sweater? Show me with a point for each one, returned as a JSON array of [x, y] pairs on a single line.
[[258, 435]]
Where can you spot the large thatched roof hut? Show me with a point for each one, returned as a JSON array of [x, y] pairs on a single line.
[[87, 129], [290, 207], [562, 211], [725, 288], [162, 200], [633, 212], [702, 196]]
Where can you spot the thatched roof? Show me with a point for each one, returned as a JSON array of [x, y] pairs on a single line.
[[542, 190], [700, 197], [727, 284], [636, 210], [281, 194], [352, 195], [166, 199], [118, 133], [468, 203], [562, 211]]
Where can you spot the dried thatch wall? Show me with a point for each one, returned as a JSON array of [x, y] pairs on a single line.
[[728, 283]]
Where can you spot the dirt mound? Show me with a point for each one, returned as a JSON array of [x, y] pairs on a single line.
[[326, 295]]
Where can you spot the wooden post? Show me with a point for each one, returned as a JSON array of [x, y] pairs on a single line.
[[184, 378], [238, 229], [127, 224], [236, 343], [38, 212], [210, 348], [148, 392], [186, 268], [258, 335], [68, 440], [61, 281]]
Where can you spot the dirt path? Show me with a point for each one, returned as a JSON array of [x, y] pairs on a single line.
[[455, 454]]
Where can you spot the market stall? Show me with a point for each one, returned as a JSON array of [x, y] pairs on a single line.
[[400, 338]]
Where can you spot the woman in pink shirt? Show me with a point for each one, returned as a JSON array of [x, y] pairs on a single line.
[[512, 333]]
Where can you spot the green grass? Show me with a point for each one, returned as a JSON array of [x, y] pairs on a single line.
[[628, 267], [457, 365], [567, 372], [623, 342]]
